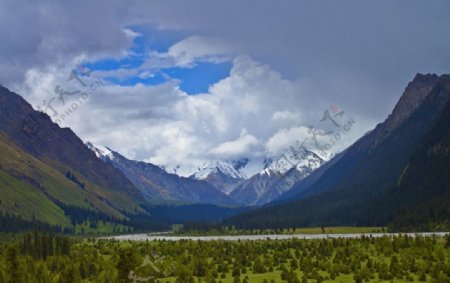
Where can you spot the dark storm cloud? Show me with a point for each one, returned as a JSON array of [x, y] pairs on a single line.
[[42, 33]]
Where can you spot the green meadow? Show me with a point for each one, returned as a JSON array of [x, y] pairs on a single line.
[[38, 257]]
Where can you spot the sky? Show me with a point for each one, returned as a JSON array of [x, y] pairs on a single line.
[[188, 82]]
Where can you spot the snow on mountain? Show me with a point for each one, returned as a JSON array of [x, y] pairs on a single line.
[[277, 177], [224, 175], [180, 170], [228, 168], [157, 184], [300, 158], [100, 151]]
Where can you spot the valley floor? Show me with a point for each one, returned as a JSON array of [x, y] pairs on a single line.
[[382, 258]]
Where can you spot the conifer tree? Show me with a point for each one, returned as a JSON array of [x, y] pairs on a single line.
[[127, 263], [14, 267]]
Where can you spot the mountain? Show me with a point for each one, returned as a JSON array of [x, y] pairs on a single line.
[[47, 174], [300, 188], [182, 214], [223, 175], [278, 176], [421, 197], [395, 171], [156, 184]]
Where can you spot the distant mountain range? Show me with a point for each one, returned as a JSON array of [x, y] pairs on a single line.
[[218, 182], [395, 175], [156, 184]]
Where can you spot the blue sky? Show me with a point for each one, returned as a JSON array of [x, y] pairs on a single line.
[[193, 79]]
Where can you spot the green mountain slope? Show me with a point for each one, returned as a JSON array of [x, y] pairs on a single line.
[[47, 173]]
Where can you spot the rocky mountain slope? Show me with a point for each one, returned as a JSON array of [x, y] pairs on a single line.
[[156, 184], [278, 176], [223, 175]]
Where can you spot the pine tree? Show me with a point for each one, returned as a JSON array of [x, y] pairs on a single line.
[[423, 277], [14, 267], [42, 274], [66, 245], [184, 276], [70, 275], [127, 263], [2, 277]]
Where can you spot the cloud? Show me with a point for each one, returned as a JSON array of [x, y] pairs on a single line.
[[290, 61], [194, 49], [237, 148], [285, 116], [120, 73], [240, 116], [42, 34], [280, 142]]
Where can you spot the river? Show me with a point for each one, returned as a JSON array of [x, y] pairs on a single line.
[[165, 237]]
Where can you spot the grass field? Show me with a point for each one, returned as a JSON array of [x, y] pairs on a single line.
[[338, 230]]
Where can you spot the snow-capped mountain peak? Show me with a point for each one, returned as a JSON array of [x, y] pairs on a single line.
[[156, 184], [300, 158], [100, 151], [230, 169], [224, 175], [280, 173]]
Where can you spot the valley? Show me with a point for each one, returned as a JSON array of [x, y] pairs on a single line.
[[395, 258], [232, 141]]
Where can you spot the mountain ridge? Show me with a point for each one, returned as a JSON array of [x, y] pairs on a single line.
[[223, 175], [69, 185], [156, 184], [278, 176], [34, 132]]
